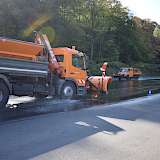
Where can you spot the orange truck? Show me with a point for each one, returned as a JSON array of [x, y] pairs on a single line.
[[128, 73], [36, 69]]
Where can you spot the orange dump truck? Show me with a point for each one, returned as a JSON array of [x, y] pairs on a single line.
[[128, 73], [32, 69]]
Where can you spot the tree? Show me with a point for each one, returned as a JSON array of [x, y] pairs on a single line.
[[104, 29], [156, 32]]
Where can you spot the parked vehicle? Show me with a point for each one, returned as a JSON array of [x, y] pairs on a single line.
[[128, 73], [36, 69]]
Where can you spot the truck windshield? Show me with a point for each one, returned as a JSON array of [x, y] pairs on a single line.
[[124, 70], [78, 61], [60, 58]]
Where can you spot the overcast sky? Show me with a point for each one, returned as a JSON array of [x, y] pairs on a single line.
[[144, 8]]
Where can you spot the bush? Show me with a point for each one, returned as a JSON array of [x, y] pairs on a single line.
[[148, 69], [114, 67]]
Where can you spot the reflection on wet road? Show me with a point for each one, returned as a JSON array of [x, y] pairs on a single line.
[[119, 90]]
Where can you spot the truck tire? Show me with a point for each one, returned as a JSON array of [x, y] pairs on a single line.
[[4, 94], [128, 78], [68, 90]]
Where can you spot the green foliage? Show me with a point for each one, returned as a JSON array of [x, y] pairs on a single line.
[[148, 69], [103, 29], [156, 32]]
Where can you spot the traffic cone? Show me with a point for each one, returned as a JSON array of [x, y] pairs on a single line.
[[149, 92]]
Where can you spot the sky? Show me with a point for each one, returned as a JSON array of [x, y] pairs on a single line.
[[145, 9]]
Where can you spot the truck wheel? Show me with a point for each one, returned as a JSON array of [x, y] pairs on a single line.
[[68, 90], [128, 78], [4, 94]]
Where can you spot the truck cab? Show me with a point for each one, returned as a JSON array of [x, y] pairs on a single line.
[[73, 64], [74, 72]]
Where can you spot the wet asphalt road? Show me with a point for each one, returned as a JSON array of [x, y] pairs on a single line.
[[128, 130], [20, 107]]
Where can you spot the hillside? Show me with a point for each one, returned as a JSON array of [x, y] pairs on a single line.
[[104, 30]]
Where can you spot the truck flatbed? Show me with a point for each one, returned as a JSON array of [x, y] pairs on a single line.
[[23, 67]]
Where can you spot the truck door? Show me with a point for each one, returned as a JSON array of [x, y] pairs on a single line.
[[131, 72], [77, 69]]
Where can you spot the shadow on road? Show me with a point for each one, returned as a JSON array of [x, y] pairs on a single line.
[[34, 136], [38, 135]]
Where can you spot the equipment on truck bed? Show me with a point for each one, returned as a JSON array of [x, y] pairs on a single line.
[[53, 64], [36, 69]]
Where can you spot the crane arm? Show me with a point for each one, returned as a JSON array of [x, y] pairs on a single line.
[[53, 64]]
